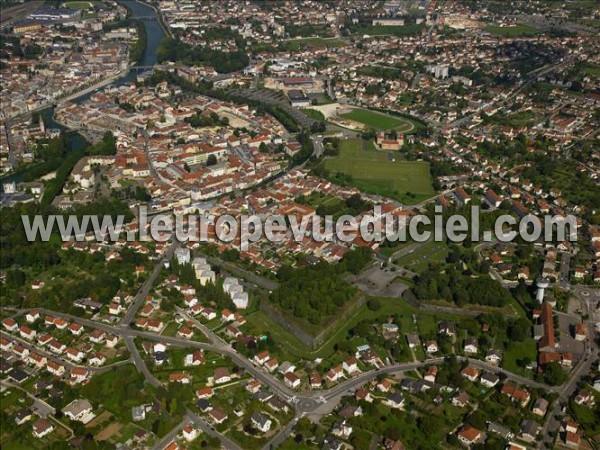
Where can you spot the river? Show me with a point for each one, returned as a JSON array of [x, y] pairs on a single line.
[[154, 36]]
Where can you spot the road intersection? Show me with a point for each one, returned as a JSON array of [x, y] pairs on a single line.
[[317, 402]]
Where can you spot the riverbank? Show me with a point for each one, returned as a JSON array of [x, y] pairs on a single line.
[[153, 34]]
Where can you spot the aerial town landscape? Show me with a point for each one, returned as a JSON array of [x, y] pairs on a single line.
[[416, 110]]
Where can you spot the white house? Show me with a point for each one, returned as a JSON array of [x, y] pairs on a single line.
[[261, 421], [78, 409], [189, 433], [42, 427], [350, 365]]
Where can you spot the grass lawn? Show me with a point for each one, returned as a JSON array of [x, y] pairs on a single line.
[[375, 172], [512, 31], [379, 121], [171, 329], [587, 417], [519, 119], [418, 260], [384, 419], [593, 71], [514, 354], [320, 98], [314, 114], [290, 347]]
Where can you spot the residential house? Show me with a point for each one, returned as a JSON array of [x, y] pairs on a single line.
[[363, 394], [431, 374], [272, 364], [78, 410], [262, 357], [489, 379], [350, 365], [179, 377], [585, 397], [471, 346], [292, 380], [394, 401], [335, 373], [218, 415], [221, 375], [529, 430], [261, 421], [413, 340], [540, 406], [460, 399], [42, 427], [431, 347], [27, 333], [204, 393], [189, 433], [384, 385], [342, 429], [470, 373], [469, 435], [10, 324], [315, 381], [494, 357], [516, 394]]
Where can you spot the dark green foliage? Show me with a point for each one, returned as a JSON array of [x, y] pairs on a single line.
[[317, 292], [455, 283], [224, 62]]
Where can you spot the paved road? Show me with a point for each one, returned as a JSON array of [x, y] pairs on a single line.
[[170, 436], [581, 370], [50, 356], [320, 400], [260, 281], [14, 13], [281, 435], [40, 407], [139, 363], [208, 429], [305, 402], [140, 297], [318, 149]]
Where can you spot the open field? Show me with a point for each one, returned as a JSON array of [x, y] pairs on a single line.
[[379, 121], [511, 31], [78, 5], [593, 71], [515, 354], [381, 173], [290, 347], [417, 261], [320, 98], [314, 114]]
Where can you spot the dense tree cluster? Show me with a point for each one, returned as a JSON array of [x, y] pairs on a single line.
[[69, 275], [316, 292], [207, 120], [456, 287], [461, 280], [172, 49]]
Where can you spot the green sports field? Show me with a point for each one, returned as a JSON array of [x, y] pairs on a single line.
[[379, 121], [77, 5], [383, 173]]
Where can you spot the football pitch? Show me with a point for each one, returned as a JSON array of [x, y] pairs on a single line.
[[77, 5], [381, 172], [379, 121]]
